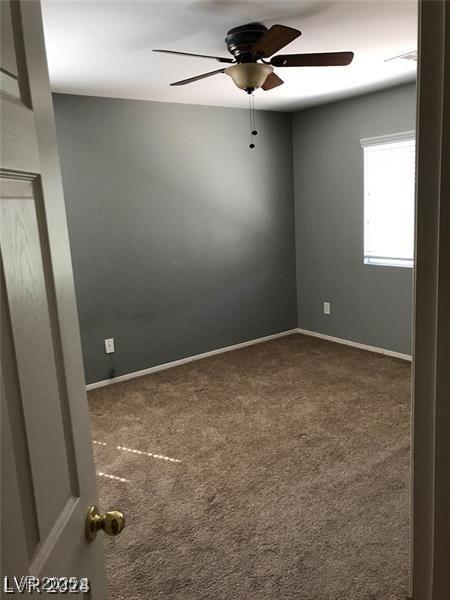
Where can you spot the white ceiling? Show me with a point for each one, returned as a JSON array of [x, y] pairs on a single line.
[[104, 48]]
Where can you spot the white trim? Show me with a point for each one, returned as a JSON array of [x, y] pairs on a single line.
[[387, 139], [331, 338], [188, 359], [379, 261], [267, 338]]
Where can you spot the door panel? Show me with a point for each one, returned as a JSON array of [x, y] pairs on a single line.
[[41, 382], [22, 535], [9, 71], [9, 62]]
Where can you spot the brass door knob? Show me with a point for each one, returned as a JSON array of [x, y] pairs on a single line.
[[112, 522]]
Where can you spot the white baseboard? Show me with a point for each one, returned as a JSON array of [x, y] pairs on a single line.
[[267, 338], [330, 338], [188, 359]]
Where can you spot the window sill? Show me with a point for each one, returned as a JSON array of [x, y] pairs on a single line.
[[389, 262]]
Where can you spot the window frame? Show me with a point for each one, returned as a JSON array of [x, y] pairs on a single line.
[[376, 141]]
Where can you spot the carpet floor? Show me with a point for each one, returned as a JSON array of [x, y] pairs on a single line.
[[277, 471]]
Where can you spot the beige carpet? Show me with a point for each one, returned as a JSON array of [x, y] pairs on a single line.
[[278, 471]]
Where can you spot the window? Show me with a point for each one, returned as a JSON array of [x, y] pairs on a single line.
[[389, 190]]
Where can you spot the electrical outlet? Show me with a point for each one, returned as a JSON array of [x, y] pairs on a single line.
[[109, 346], [326, 308]]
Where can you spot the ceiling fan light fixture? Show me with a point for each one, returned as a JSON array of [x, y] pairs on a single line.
[[249, 76]]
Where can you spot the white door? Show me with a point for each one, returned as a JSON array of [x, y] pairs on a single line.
[[48, 476]]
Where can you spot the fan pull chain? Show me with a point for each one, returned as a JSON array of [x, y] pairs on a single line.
[[251, 108]]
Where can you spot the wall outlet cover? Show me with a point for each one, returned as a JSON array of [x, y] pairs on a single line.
[[109, 346]]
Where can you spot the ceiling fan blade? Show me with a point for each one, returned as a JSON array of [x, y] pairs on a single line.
[[197, 77], [272, 81], [321, 59], [218, 58], [277, 37]]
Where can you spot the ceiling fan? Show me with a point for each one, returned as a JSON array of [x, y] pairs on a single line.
[[251, 45]]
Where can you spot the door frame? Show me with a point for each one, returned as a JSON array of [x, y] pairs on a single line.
[[430, 489]]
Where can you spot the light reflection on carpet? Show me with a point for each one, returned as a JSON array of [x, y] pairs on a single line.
[[140, 452]]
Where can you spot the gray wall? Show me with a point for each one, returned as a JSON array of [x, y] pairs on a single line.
[[182, 237], [370, 304]]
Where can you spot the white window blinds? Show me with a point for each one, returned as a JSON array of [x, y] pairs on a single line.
[[389, 191]]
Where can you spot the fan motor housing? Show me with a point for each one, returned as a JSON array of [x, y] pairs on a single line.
[[240, 39]]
